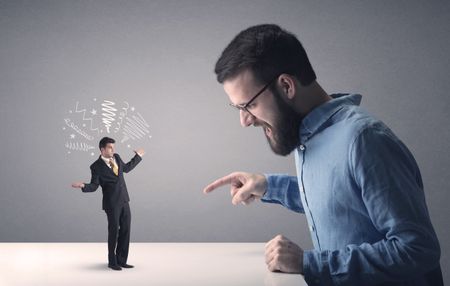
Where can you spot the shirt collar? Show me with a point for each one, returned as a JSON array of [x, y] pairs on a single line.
[[106, 160], [314, 120]]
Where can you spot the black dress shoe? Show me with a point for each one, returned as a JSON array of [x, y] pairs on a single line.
[[124, 265], [114, 267]]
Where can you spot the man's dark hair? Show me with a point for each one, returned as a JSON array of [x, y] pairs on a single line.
[[267, 51], [105, 141]]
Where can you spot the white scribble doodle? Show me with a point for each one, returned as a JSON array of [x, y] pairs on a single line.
[[84, 117], [108, 113], [122, 115], [102, 117], [78, 130], [79, 146], [135, 128]]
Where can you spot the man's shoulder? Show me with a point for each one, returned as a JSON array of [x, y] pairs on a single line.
[[358, 119], [96, 163], [361, 127], [352, 121]]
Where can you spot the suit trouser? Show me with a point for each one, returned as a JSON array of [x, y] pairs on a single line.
[[119, 223]]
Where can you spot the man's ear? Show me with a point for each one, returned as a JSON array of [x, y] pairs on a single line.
[[287, 84]]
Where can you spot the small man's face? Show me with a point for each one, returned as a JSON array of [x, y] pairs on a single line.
[[108, 151]]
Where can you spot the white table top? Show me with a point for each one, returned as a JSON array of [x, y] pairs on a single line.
[[155, 264]]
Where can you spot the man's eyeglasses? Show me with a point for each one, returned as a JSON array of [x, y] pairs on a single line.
[[245, 106]]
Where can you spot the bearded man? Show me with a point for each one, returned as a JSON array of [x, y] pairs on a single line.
[[357, 183]]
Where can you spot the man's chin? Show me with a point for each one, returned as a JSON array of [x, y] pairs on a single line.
[[279, 150], [277, 147]]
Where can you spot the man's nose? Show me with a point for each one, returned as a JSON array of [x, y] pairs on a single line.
[[246, 118]]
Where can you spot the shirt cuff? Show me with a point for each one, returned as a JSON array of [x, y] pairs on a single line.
[[277, 184], [315, 268]]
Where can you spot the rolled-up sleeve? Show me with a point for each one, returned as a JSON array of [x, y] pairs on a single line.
[[283, 189]]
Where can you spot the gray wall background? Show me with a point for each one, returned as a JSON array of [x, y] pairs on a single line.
[[159, 55]]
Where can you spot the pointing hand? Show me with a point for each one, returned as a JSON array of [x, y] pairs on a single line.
[[245, 187]]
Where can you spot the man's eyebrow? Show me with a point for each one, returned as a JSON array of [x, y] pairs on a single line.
[[237, 104]]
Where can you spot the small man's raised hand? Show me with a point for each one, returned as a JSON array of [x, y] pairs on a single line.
[[140, 152]]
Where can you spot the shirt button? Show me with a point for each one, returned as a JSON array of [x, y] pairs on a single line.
[[311, 228], [302, 147]]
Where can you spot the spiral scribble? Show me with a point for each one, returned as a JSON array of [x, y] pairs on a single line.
[[108, 114]]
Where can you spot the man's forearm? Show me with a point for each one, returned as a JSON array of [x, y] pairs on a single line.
[[283, 189]]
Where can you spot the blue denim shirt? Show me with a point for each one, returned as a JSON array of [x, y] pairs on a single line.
[[362, 193]]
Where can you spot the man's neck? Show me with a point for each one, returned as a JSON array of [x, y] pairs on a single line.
[[107, 158], [310, 97]]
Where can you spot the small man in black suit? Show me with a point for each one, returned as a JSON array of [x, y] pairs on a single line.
[[107, 172]]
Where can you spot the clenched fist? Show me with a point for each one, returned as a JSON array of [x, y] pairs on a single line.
[[284, 255]]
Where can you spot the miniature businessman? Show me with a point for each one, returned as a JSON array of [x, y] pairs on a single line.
[[107, 172], [357, 184]]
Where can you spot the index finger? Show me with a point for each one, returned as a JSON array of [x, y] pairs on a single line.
[[219, 183]]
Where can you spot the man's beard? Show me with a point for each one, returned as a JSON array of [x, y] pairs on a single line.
[[285, 130]]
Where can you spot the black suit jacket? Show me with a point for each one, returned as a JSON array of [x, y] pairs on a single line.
[[114, 188]]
